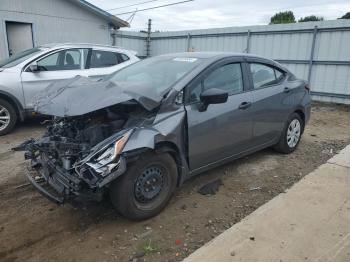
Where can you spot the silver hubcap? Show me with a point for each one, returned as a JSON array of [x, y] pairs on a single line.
[[4, 118], [293, 133]]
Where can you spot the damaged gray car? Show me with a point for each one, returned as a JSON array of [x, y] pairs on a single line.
[[142, 131]]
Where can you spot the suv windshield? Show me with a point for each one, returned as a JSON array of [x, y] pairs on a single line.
[[19, 58], [159, 73]]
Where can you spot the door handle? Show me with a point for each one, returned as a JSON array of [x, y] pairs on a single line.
[[286, 90], [244, 105]]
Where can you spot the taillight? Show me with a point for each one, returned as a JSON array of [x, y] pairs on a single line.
[[307, 87]]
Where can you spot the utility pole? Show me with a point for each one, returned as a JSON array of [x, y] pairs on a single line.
[[113, 34], [148, 40]]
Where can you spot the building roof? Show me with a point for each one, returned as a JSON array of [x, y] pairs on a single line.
[[102, 13]]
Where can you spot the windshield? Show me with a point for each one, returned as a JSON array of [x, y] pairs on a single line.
[[19, 58], [159, 73]]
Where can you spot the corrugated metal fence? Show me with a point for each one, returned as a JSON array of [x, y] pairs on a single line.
[[316, 51]]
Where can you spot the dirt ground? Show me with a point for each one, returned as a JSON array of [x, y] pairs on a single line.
[[34, 229]]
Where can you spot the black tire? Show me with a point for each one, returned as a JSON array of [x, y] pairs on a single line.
[[9, 111], [128, 193], [282, 146]]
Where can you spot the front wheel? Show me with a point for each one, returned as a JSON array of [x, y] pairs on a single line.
[[291, 134], [146, 188], [8, 117]]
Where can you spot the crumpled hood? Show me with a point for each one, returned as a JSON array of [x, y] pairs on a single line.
[[82, 95]]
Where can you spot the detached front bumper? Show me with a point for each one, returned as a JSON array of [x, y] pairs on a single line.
[[60, 186], [44, 187]]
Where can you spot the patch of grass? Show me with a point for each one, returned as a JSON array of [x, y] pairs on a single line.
[[149, 247]]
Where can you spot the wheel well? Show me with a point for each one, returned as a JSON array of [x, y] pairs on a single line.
[[302, 116], [15, 105], [172, 149]]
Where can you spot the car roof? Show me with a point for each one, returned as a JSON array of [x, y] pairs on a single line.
[[86, 45], [213, 56]]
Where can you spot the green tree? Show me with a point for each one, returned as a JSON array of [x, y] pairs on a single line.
[[346, 16], [311, 18], [286, 17]]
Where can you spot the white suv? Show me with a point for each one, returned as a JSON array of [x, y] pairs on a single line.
[[23, 75]]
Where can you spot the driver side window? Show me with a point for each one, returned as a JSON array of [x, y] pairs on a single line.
[[62, 60], [227, 77]]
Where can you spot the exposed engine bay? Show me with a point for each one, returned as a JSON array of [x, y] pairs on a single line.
[[73, 137], [85, 148]]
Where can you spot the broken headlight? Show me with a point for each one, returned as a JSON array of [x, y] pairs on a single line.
[[105, 161]]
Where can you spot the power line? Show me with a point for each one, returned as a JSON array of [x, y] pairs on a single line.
[[141, 3], [150, 8], [131, 17]]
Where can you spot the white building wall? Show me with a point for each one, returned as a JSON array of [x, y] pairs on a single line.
[[54, 21]]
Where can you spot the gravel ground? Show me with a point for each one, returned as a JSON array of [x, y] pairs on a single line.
[[34, 229]]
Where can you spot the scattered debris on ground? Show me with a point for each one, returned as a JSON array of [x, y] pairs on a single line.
[[254, 188]]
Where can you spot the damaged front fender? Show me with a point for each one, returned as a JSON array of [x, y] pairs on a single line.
[[167, 127], [167, 134], [142, 138]]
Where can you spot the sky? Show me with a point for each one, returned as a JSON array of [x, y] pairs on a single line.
[[201, 14]]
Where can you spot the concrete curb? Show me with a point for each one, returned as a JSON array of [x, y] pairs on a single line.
[[311, 222]]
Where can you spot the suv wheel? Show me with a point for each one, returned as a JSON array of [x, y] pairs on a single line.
[[146, 188], [8, 117], [291, 134]]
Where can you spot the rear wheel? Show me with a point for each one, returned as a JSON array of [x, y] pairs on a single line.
[[291, 135], [8, 117], [147, 186]]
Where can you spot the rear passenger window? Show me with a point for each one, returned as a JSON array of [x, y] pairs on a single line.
[[264, 75], [103, 59]]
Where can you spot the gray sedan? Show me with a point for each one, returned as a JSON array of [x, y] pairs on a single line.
[[144, 130]]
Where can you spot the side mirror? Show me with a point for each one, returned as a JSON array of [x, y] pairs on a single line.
[[212, 96], [34, 67]]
